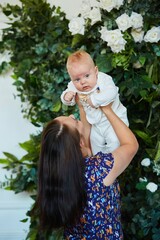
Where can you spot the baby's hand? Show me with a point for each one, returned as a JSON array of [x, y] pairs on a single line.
[[69, 96]]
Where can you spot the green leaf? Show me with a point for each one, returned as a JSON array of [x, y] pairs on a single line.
[[104, 63], [77, 38], [24, 220], [144, 136], [157, 156], [142, 60], [3, 161], [141, 185], [41, 48], [27, 146], [56, 107], [11, 157], [157, 50]]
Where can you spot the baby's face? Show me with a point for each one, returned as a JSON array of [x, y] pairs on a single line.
[[83, 76]]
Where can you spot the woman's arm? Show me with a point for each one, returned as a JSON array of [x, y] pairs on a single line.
[[128, 145], [86, 124]]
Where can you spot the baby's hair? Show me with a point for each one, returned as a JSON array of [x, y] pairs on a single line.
[[79, 56]]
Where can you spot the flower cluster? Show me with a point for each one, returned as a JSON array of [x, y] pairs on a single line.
[[151, 186], [91, 11]]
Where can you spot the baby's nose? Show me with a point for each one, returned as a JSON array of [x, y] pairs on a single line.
[[82, 81]]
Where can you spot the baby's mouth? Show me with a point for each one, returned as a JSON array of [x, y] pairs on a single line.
[[85, 88]]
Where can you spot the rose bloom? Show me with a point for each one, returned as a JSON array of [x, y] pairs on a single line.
[[85, 9], [116, 48], [137, 35], [76, 25], [104, 33], [146, 162], [114, 37], [95, 15], [119, 3], [123, 22], [108, 4], [94, 3], [152, 187], [136, 20], [153, 35]]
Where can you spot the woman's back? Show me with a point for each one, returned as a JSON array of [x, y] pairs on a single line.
[[101, 216]]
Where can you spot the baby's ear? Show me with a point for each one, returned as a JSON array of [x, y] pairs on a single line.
[[96, 68]]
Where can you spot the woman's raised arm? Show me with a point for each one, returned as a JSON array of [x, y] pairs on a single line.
[[128, 145], [86, 124]]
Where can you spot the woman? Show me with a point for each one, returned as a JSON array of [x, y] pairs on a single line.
[[77, 191]]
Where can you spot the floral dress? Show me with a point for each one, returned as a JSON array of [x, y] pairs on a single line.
[[101, 218]]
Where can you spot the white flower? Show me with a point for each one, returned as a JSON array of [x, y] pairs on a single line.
[[152, 187], [153, 35], [123, 22], [76, 25], [137, 35], [94, 3], [108, 4], [85, 8], [116, 48], [114, 39], [104, 33], [136, 20], [95, 15], [143, 179], [119, 3], [146, 162]]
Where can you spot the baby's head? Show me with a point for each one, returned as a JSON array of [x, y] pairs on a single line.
[[82, 71]]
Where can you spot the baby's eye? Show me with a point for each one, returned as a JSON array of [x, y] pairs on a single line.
[[87, 75], [77, 80]]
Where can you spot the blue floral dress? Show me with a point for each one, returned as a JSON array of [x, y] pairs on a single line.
[[101, 218]]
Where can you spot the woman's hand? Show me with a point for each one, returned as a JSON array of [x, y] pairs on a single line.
[[107, 107]]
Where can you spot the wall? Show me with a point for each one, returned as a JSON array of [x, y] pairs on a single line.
[[15, 129]]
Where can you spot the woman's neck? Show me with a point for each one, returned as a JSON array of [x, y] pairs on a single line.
[[86, 152]]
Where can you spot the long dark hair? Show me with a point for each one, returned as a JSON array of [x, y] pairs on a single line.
[[61, 193]]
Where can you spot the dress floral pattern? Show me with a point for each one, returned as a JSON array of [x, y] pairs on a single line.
[[101, 218]]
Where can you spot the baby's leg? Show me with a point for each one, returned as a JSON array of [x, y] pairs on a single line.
[[97, 141], [111, 140]]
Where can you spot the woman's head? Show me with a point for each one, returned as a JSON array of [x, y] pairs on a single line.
[[61, 194]]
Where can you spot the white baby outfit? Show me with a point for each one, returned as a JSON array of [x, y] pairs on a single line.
[[103, 137]]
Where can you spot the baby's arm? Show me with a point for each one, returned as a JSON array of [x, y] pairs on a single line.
[[68, 96], [105, 94]]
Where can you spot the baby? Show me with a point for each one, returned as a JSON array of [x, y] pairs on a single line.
[[94, 89]]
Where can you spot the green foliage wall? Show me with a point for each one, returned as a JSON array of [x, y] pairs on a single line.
[[39, 42]]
